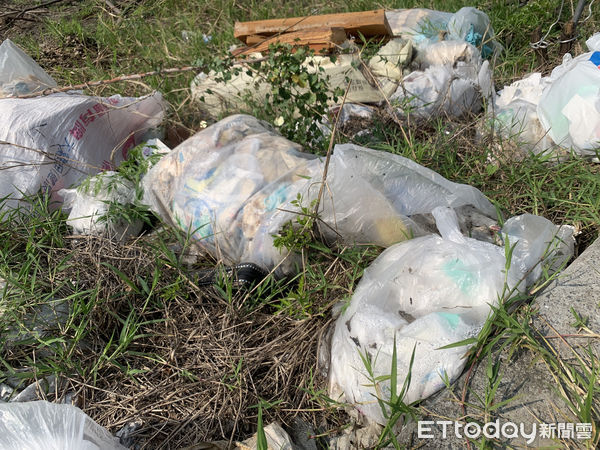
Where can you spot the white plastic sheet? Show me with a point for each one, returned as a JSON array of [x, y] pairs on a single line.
[[49, 426]]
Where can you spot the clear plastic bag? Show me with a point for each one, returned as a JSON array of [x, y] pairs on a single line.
[[50, 426], [473, 26], [425, 294], [19, 74], [231, 186], [226, 186]]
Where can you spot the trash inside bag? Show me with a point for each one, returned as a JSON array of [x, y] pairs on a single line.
[[51, 142], [569, 108], [425, 27], [557, 114], [425, 294], [225, 186], [50, 426], [452, 90], [231, 186], [473, 26]]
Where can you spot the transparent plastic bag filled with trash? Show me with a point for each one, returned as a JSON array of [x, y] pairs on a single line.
[[50, 142], [234, 185], [425, 294], [556, 115]]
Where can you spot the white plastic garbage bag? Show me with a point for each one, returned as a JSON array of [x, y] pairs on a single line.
[[425, 27], [51, 142], [232, 186], [425, 294], [89, 203], [569, 108], [452, 90], [19, 74], [50, 426]]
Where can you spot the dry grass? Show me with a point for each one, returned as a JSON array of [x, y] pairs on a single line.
[[199, 362]]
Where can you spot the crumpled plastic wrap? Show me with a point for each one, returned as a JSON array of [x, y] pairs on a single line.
[[231, 186], [50, 426], [453, 88], [425, 294]]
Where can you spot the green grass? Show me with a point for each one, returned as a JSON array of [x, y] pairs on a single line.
[[121, 301]]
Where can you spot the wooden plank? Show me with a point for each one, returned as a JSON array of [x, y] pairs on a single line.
[[254, 39], [318, 39], [368, 23], [318, 49]]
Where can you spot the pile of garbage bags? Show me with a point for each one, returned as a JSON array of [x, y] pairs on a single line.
[[234, 185], [557, 114], [53, 141], [434, 65], [232, 188]]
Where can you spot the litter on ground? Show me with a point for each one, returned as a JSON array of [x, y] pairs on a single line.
[[238, 185]]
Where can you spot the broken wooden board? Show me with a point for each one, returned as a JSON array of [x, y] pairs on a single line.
[[318, 39], [367, 23], [319, 49]]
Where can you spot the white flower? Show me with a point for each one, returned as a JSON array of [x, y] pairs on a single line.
[[203, 124], [279, 121]]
